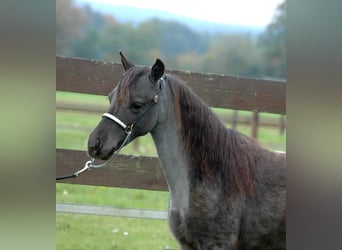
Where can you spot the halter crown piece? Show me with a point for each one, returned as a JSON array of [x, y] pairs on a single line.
[[128, 130]]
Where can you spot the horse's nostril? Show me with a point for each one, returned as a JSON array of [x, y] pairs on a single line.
[[94, 147], [97, 143]]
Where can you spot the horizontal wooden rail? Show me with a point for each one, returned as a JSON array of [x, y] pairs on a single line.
[[111, 211], [96, 77], [124, 171]]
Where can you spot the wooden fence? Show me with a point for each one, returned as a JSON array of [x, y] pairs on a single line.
[[95, 77]]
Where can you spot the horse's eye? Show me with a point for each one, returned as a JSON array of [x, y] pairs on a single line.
[[136, 105]]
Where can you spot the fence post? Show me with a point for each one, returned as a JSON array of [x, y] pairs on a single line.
[[282, 125], [234, 119], [255, 122]]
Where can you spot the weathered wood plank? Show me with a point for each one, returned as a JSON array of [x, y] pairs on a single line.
[[86, 76], [124, 171], [237, 92], [95, 77]]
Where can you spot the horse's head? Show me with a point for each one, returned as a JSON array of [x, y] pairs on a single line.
[[132, 109]]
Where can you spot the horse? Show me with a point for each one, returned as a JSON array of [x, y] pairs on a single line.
[[227, 191]]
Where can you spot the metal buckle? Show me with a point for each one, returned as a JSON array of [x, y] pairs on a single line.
[[156, 99], [128, 129], [86, 167]]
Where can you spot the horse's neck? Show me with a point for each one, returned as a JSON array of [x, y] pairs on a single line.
[[173, 159]]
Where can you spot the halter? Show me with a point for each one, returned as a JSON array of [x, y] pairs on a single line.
[[128, 130]]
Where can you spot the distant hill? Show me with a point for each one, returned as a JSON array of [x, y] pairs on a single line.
[[137, 15]]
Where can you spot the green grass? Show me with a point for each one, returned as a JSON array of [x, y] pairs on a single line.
[[109, 233], [81, 98], [98, 195], [104, 232]]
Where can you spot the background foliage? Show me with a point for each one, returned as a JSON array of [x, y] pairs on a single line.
[[84, 33]]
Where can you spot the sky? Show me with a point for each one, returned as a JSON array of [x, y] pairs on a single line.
[[257, 13]]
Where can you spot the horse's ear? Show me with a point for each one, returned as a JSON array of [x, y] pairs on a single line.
[[125, 62], [157, 70]]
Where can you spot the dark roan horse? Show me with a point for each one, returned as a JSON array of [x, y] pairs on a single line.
[[226, 190]]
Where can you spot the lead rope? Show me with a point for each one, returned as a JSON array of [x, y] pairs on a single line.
[[89, 164]]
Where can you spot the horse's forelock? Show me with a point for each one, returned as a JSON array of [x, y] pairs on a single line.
[[125, 84]]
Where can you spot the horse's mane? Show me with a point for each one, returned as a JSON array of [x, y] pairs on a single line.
[[221, 156]]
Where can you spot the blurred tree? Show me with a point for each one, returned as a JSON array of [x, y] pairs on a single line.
[[177, 39], [189, 61], [97, 39], [96, 19], [142, 40], [85, 33], [69, 23], [87, 46], [104, 43], [272, 43], [112, 40], [232, 54]]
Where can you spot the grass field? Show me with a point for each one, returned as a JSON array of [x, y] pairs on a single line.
[[104, 232]]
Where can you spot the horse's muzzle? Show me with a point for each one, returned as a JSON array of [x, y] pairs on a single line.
[[97, 150]]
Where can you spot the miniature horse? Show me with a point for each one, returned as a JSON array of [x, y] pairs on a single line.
[[226, 190]]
